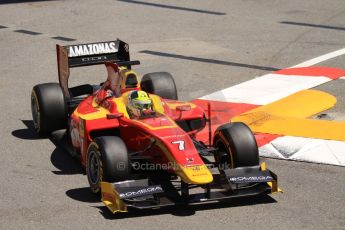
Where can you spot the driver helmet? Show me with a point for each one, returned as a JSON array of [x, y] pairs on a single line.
[[139, 103]]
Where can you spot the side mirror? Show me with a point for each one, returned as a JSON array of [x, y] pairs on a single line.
[[183, 108], [114, 115]]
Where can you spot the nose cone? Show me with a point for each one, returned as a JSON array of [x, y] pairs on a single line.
[[196, 174]]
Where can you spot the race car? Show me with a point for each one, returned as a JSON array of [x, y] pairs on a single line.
[[137, 142]]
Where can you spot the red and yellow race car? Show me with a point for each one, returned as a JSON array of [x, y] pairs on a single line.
[[137, 142]]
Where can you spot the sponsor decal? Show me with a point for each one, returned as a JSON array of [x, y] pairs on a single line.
[[92, 49], [200, 174], [101, 58], [174, 136], [190, 159], [195, 168], [141, 192], [245, 179]]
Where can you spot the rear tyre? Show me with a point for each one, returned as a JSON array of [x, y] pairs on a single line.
[[107, 160], [48, 108], [236, 146], [159, 83]]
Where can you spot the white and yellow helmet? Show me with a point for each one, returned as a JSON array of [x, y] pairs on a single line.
[[139, 102]]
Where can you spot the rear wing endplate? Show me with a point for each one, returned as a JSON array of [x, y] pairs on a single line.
[[90, 54]]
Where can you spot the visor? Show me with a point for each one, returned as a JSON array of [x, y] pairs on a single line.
[[142, 104]]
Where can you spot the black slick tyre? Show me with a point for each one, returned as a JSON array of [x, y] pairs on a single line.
[[107, 160], [159, 83], [236, 146], [48, 108]]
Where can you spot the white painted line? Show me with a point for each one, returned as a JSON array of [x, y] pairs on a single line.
[[342, 78], [266, 89], [321, 58]]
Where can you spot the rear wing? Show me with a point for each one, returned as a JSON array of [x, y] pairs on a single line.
[[90, 54]]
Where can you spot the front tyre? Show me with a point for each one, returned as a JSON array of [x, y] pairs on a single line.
[[236, 146], [107, 160]]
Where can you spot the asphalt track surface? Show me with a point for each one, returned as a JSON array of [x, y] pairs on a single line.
[[207, 46]]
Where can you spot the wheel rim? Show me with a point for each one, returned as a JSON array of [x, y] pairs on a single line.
[[94, 168], [35, 110], [223, 149]]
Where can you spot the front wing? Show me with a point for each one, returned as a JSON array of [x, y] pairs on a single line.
[[157, 191]]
